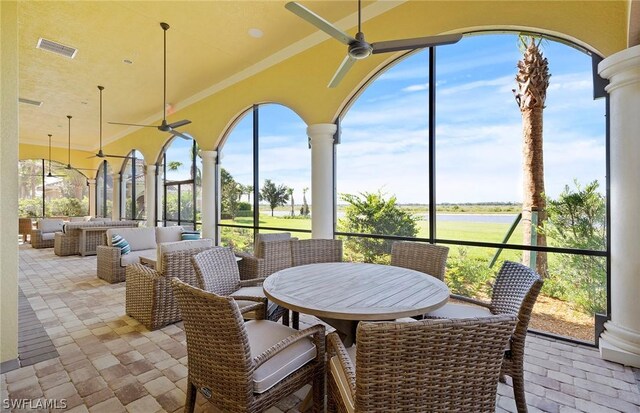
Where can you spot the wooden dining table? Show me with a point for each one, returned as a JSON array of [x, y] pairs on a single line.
[[344, 293]]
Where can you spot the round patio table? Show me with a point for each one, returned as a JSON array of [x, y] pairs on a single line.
[[343, 293]]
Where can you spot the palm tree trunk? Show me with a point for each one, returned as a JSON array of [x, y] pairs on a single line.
[[533, 196]]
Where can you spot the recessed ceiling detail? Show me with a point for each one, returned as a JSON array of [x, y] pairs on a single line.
[[30, 101], [257, 33], [57, 48]]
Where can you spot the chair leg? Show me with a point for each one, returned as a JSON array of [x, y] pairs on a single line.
[[518, 393], [318, 390], [190, 404], [285, 318], [295, 320]]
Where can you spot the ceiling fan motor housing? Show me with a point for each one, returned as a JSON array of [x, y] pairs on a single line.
[[360, 49]]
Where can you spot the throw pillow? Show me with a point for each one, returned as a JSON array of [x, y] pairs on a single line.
[[119, 242], [189, 235]]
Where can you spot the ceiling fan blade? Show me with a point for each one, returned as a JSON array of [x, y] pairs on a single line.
[[415, 43], [179, 123], [133, 124], [180, 135], [301, 11], [342, 71], [116, 156]]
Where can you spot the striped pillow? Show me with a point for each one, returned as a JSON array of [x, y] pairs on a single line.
[[119, 242], [189, 235]]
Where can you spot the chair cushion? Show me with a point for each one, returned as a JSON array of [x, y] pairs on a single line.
[[47, 236], [258, 252], [99, 219], [341, 378], [451, 310], [263, 334], [118, 241], [168, 234], [134, 257], [138, 238], [50, 225], [166, 247], [253, 292]]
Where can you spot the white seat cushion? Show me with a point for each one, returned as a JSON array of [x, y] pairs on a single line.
[[50, 225], [341, 379], [134, 256], [138, 238], [252, 292], [264, 334], [169, 234], [451, 310], [46, 236]]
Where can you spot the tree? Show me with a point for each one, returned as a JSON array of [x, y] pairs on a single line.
[[290, 193], [304, 210], [174, 165], [531, 92], [248, 189], [370, 213], [577, 219], [231, 193], [275, 195]]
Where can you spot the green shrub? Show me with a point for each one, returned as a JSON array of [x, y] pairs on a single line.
[[30, 208], [468, 276]]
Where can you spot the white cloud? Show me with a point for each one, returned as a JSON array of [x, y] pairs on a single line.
[[416, 88]]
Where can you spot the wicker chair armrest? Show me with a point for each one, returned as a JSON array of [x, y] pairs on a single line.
[[260, 307], [251, 283], [335, 347], [144, 271], [472, 301], [251, 267], [317, 332]]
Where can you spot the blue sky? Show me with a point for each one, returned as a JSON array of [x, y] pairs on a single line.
[[478, 129]]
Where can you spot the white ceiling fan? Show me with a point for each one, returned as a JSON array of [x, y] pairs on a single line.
[[358, 47], [101, 154]]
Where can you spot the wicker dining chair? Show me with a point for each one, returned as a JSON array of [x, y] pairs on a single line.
[[272, 252], [25, 226], [246, 367], [515, 292], [217, 272], [313, 251], [423, 366], [420, 256]]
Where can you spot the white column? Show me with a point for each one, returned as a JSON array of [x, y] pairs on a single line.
[[620, 341], [209, 199], [321, 138], [115, 198], [92, 197], [150, 194]]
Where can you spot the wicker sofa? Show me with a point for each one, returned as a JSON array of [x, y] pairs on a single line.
[[67, 242], [143, 242], [44, 234], [149, 295]]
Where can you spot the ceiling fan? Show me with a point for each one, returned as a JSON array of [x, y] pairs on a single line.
[[359, 48], [164, 126], [101, 154], [68, 166]]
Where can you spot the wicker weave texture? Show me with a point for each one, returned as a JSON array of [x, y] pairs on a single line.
[[217, 272], [221, 365], [25, 225], [109, 268], [427, 258], [38, 242], [149, 297], [68, 243], [424, 366], [64, 245], [313, 251], [277, 256]]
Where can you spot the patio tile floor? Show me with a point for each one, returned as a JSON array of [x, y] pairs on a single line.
[[108, 362]]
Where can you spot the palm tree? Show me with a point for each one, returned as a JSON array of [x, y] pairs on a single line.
[[174, 165], [532, 83], [290, 193], [304, 211], [248, 189]]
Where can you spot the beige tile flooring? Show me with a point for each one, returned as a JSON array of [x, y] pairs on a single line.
[[110, 363]]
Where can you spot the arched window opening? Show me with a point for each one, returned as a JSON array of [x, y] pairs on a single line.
[[180, 177], [433, 149], [265, 176], [104, 190], [133, 187]]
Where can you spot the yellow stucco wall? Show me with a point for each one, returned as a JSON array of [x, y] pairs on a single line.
[[8, 181]]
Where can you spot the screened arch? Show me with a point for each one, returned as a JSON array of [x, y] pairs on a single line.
[[265, 176], [104, 190], [132, 176]]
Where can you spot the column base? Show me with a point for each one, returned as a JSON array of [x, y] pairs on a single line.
[[620, 345]]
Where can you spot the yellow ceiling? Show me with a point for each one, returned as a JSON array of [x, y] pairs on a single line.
[[216, 70], [207, 43]]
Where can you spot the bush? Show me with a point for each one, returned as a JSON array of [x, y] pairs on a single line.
[[577, 220], [370, 213], [468, 276], [30, 208], [69, 207]]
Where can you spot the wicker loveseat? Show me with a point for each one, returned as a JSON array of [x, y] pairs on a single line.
[[44, 235], [149, 296], [67, 242]]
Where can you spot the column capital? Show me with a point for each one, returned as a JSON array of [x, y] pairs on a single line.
[[208, 155], [150, 168], [91, 181], [622, 68], [321, 129]]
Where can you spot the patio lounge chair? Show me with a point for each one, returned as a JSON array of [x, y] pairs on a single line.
[[423, 366], [246, 367]]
